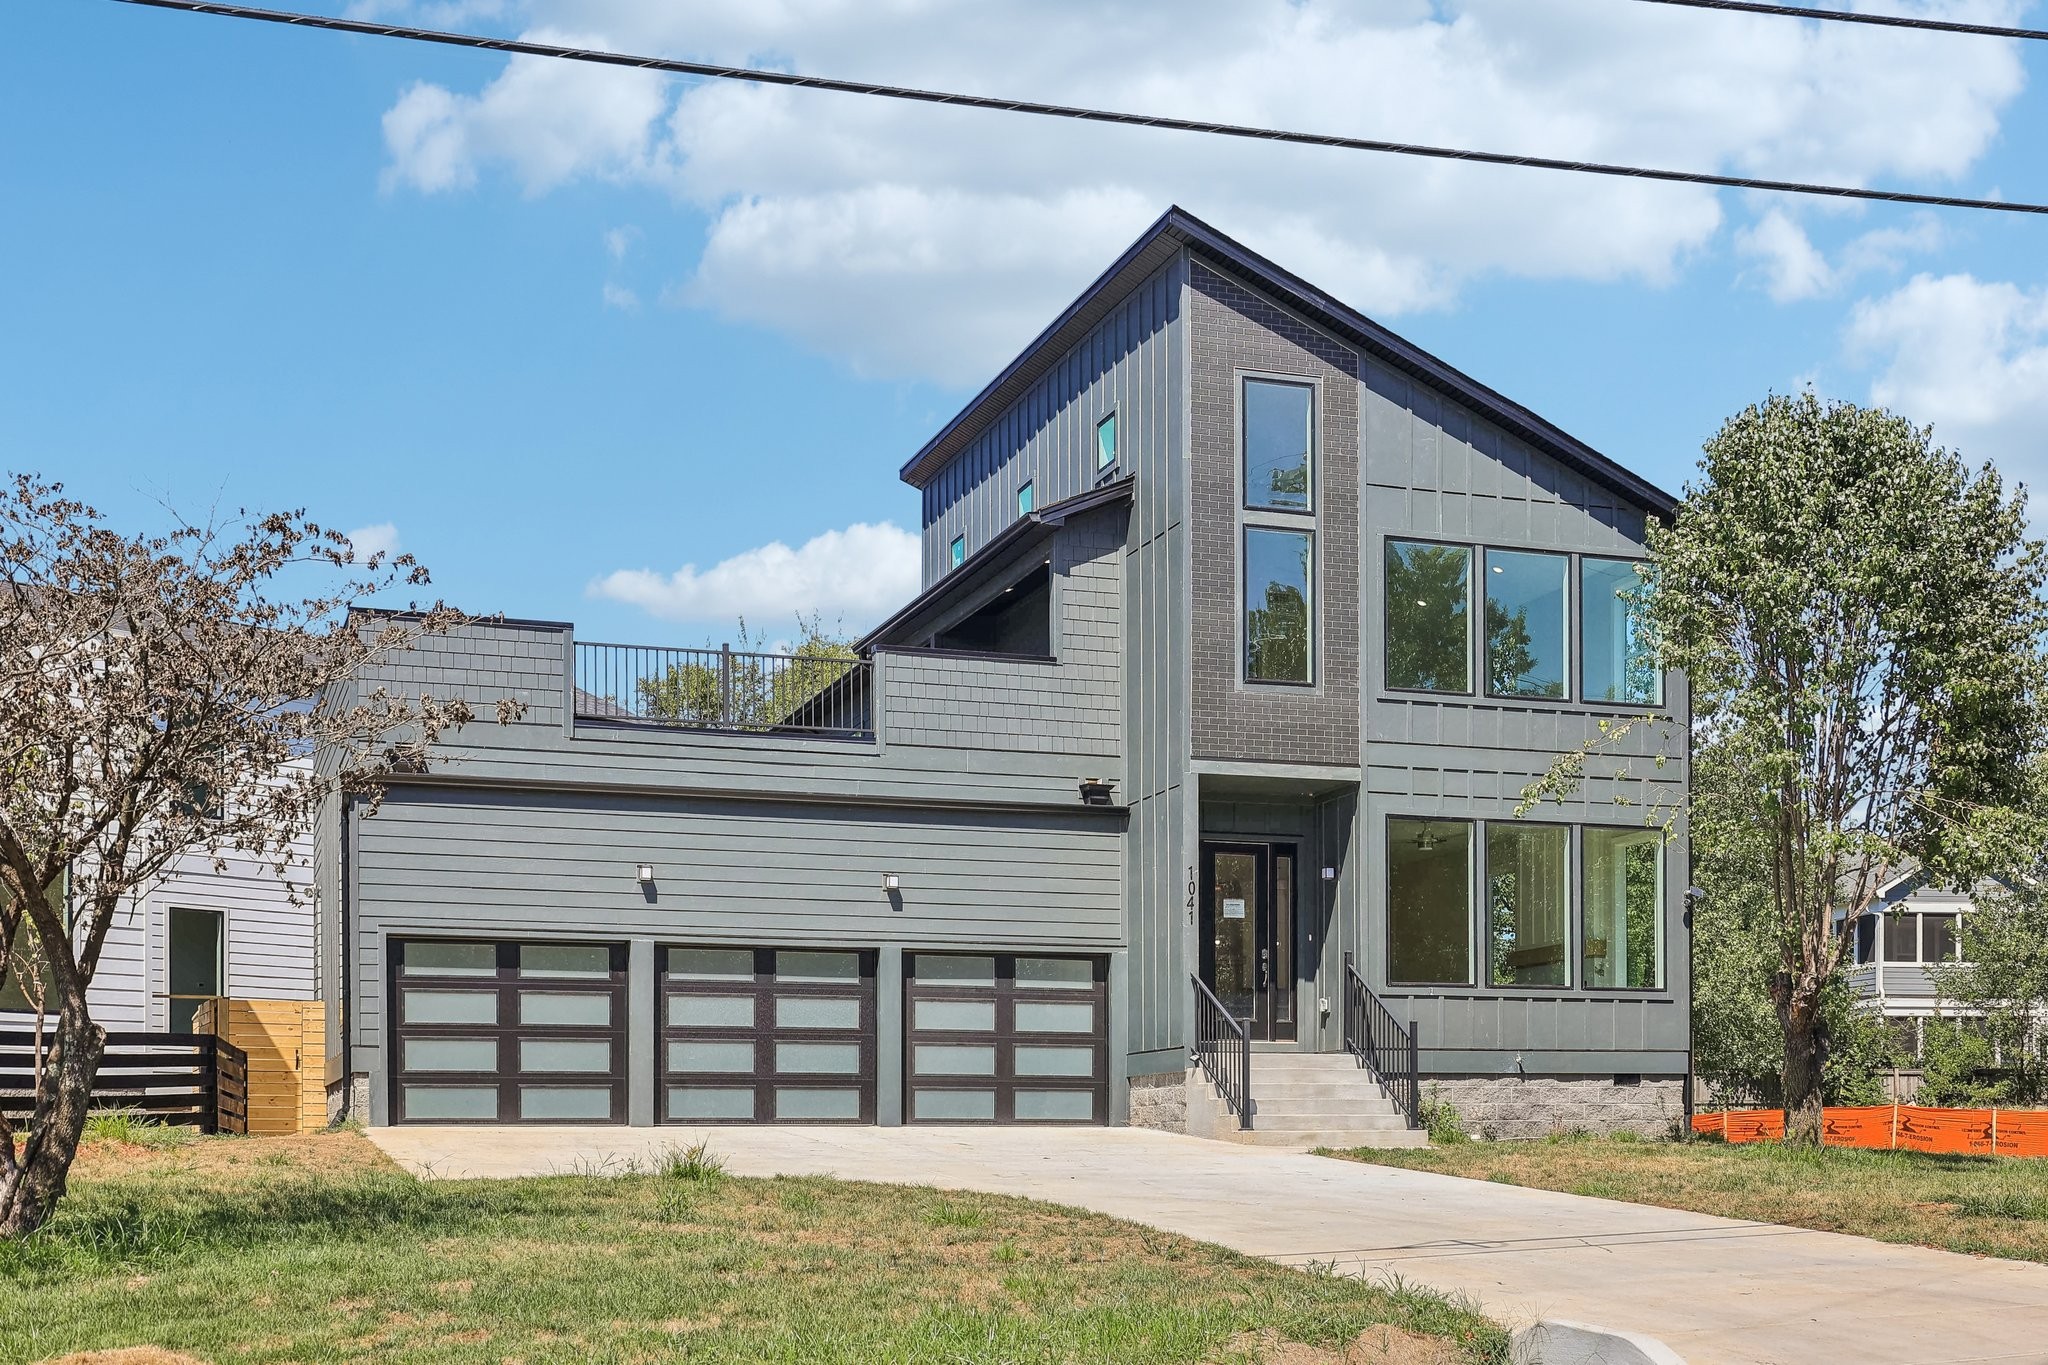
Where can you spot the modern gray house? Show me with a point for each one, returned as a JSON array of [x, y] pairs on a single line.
[[1182, 795]]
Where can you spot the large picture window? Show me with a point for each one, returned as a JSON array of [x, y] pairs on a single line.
[[1527, 904], [1278, 602], [1429, 902], [1616, 659], [1428, 596], [1525, 625], [1623, 901], [1279, 442]]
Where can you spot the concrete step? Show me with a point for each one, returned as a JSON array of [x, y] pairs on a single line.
[[1327, 1137], [1272, 1116], [1317, 1087]]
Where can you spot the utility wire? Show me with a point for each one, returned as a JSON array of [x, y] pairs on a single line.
[[1843, 16], [758, 76]]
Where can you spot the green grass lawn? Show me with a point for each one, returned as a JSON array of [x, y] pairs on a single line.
[[1989, 1206], [315, 1249]]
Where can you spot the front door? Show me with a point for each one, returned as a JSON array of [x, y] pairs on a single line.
[[1247, 933]]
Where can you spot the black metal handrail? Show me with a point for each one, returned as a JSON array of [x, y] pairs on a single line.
[[726, 689], [1223, 1049], [1382, 1045]]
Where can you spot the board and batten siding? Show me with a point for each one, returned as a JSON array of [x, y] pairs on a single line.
[[1436, 471], [449, 861]]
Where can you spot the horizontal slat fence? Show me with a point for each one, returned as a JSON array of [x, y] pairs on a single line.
[[1898, 1127], [169, 1077]]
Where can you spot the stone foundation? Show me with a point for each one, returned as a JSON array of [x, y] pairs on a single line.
[[1160, 1101], [1510, 1108], [349, 1099]]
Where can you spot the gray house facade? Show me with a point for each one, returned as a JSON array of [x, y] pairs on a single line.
[[1245, 623]]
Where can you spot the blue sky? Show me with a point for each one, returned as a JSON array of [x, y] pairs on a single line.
[[552, 327]]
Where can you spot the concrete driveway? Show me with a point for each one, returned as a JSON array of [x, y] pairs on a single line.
[[1711, 1288]]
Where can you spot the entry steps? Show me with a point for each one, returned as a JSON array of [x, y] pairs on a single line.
[[1304, 1099]]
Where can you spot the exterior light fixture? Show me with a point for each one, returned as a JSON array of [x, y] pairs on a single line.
[[646, 874], [1329, 874], [1095, 791], [891, 882]]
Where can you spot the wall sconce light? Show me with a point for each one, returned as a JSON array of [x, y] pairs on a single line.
[[1329, 874], [1096, 792], [891, 882], [647, 874]]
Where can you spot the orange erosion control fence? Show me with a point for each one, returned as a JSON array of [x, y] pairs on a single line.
[[1899, 1127]]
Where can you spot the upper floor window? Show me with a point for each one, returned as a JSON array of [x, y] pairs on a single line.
[[958, 552], [1279, 438], [1616, 662], [1525, 625], [1429, 592], [1026, 500], [1105, 442], [1278, 598]]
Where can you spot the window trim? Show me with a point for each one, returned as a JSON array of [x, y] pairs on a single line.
[[1472, 976], [1244, 635], [1485, 858], [1565, 692], [1472, 548], [1662, 845], [1578, 633], [1245, 379], [1116, 452]]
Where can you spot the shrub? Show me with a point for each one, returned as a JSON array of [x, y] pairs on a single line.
[[1441, 1121]]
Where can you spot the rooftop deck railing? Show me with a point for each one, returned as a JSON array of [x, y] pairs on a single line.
[[726, 689]]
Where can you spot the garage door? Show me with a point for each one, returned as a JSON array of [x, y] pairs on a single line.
[[768, 1035], [508, 1032], [1006, 1039]]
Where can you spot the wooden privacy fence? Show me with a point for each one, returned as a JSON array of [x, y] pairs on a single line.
[[285, 1042], [175, 1078], [1898, 1127]]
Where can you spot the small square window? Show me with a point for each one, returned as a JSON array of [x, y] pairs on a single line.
[[1105, 442], [959, 552], [1026, 500]]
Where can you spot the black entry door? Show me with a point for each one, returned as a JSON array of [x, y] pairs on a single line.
[[1247, 933]]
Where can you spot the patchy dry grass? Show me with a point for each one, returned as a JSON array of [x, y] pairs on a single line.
[[316, 1248], [1987, 1206]]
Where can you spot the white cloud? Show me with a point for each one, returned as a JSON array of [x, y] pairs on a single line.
[[1969, 356], [1792, 267], [914, 240], [858, 574], [380, 539], [619, 240], [619, 297]]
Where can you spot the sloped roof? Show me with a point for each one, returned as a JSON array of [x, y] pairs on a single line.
[[1177, 229]]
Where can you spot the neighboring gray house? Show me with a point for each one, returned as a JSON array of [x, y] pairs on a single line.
[[1245, 623], [1914, 927]]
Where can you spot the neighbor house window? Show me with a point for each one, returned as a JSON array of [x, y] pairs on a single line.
[[1525, 626], [1026, 500], [1622, 942], [1527, 896], [1277, 605], [1429, 594], [958, 553], [1429, 902], [1615, 658], [1901, 938], [1279, 437], [1938, 941], [1105, 442]]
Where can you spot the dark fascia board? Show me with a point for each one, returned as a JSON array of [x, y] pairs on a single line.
[[414, 614], [1000, 550], [1177, 229]]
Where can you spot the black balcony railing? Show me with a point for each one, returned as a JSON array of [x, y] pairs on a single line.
[[1223, 1049], [1382, 1044], [726, 689]]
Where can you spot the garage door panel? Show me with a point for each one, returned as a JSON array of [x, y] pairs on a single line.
[[765, 1035], [1006, 1038]]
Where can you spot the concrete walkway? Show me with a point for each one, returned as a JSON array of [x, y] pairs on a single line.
[[1713, 1289]]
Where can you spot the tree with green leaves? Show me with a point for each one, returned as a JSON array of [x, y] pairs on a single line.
[[746, 689]]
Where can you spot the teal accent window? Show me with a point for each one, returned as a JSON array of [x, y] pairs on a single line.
[[1279, 440], [1429, 617], [1105, 442], [958, 551], [1429, 902], [1525, 623], [1527, 903], [1026, 500], [1616, 658], [1278, 601], [1622, 945]]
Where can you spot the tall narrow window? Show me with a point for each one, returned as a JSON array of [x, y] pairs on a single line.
[[1615, 657], [1526, 896], [1429, 902], [1279, 438], [1277, 605], [1105, 442], [958, 552], [1525, 627], [1622, 944], [1429, 594], [1026, 500]]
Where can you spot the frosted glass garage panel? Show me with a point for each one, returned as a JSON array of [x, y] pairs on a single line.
[[694, 1056], [964, 1016], [448, 1007], [828, 1059], [952, 1059], [960, 1106], [796, 1011], [1055, 973], [817, 1104], [935, 969], [711, 1011], [1056, 1105], [695, 1102], [835, 968], [450, 1102], [1045, 1016], [450, 959], [563, 1008], [449, 1054], [565, 1054], [711, 964], [1055, 1061], [580, 960], [563, 1102]]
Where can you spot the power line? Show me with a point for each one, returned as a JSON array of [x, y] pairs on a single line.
[[1842, 16], [758, 76]]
